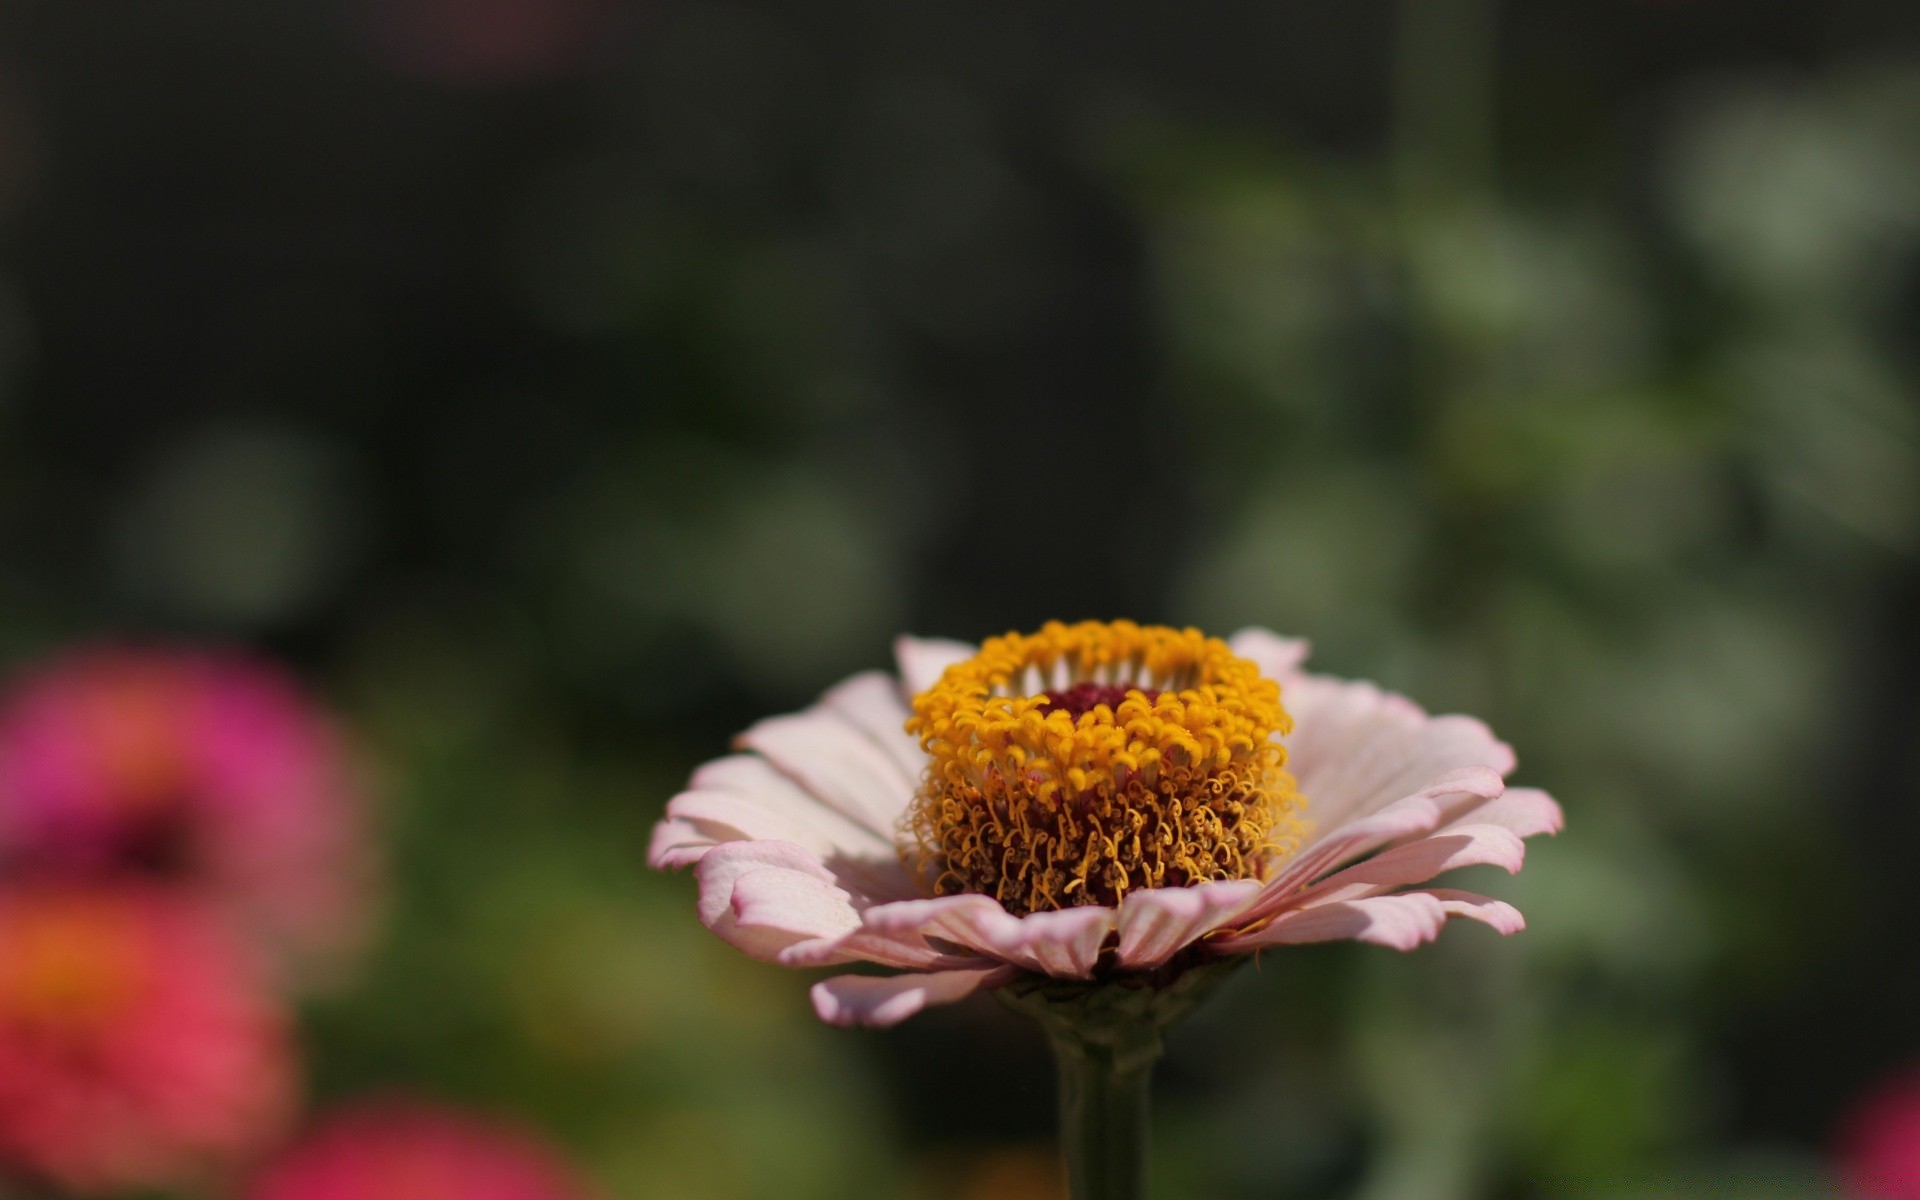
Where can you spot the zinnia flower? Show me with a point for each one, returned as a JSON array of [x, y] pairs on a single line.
[[205, 769], [399, 1149], [1880, 1142], [1091, 802], [137, 1049]]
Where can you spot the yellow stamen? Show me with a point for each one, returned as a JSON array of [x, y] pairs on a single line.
[[1085, 761]]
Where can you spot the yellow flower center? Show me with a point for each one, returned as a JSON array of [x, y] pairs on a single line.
[[69, 966], [137, 729], [1074, 765]]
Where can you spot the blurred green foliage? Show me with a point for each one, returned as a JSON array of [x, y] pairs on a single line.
[[564, 412]]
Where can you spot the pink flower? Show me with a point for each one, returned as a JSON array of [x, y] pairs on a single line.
[[1880, 1142], [1090, 801], [406, 1150], [136, 1048], [191, 767]]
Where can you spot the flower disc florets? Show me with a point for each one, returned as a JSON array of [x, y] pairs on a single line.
[[1085, 761]]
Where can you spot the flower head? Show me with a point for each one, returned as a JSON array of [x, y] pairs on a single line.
[[1091, 801], [136, 1048], [407, 1150], [194, 768], [1087, 761]]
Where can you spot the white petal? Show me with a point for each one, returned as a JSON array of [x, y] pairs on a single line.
[[1158, 923], [1399, 922], [923, 660], [882, 1000], [1277, 657]]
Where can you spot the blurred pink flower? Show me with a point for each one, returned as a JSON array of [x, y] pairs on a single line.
[[398, 1149], [485, 42], [193, 767], [137, 1049], [1880, 1142], [806, 844]]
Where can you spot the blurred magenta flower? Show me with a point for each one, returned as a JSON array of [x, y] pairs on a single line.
[[137, 1049], [1880, 1141], [191, 767], [1088, 802], [402, 1149]]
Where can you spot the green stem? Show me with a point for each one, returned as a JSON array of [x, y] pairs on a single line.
[[1106, 1038], [1104, 1088]]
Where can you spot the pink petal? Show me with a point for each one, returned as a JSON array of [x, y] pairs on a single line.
[[872, 703], [722, 868], [867, 865], [744, 798], [1499, 914], [1356, 749], [1065, 944], [783, 900], [864, 945], [923, 660], [883, 1000], [677, 844], [829, 757], [1157, 924], [1409, 816], [819, 922], [1529, 812], [1419, 861], [1277, 657], [1400, 922], [971, 920]]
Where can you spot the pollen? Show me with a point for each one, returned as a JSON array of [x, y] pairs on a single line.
[[1074, 765]]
